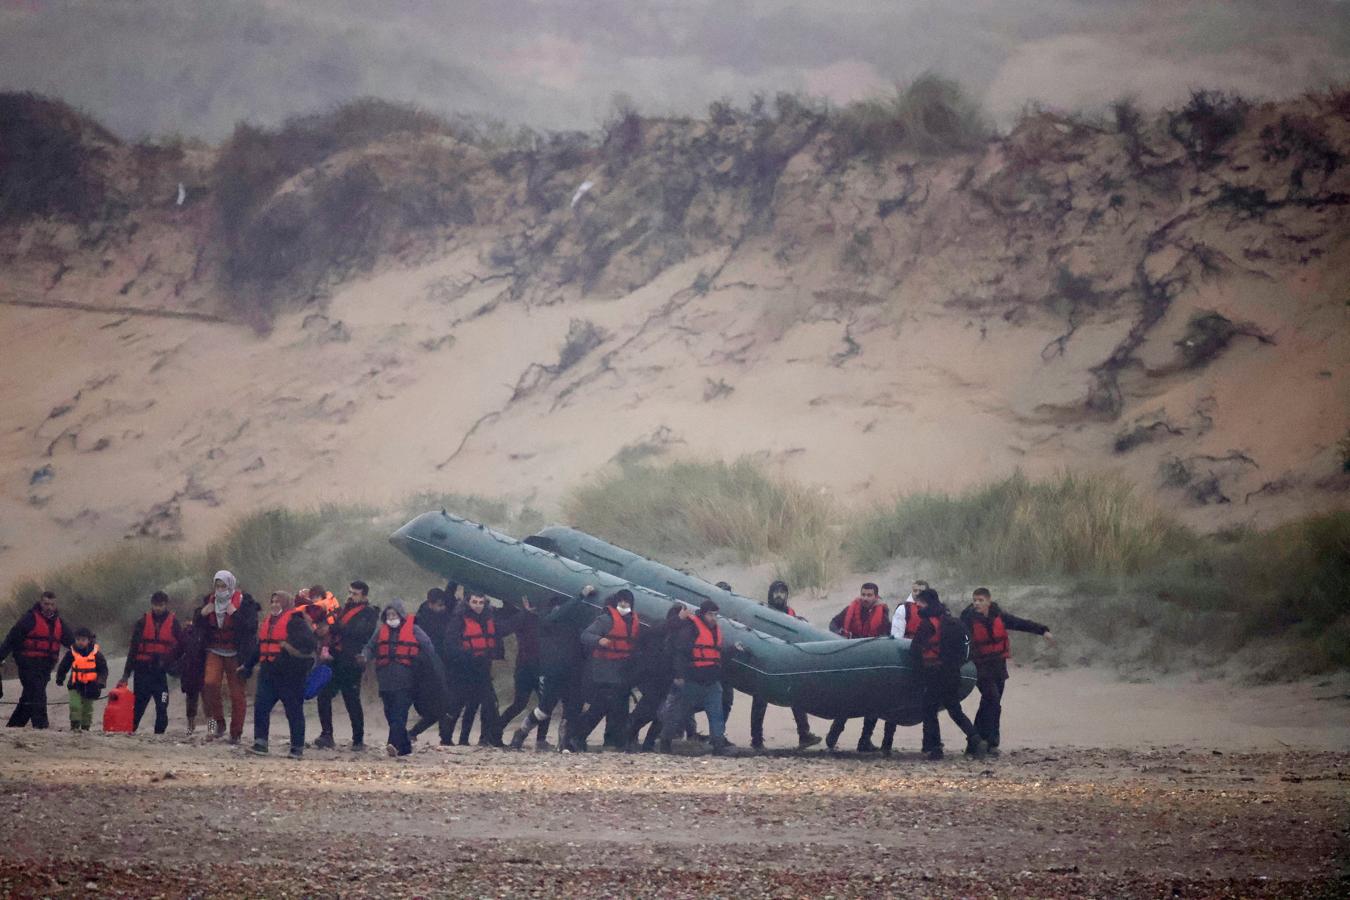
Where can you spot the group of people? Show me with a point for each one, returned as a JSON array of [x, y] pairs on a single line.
[[570, 661]]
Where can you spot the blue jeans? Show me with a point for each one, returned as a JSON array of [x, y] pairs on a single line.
[[290, 692], [396, 706], [692, 698]]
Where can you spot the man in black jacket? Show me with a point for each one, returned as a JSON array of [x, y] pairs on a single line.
[[698, 653], [355, 624], [989, 650], [433, 617], [940, 647], [286, 648], [653, 675], [561, 661], [473, 643], [36, 641], [778, 602], [155, 639]]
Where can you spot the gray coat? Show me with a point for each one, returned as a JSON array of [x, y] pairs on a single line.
[[395, 677], [604, 671]]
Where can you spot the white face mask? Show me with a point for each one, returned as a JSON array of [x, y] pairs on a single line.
[[624, 609], [393, 621], [223, 594]]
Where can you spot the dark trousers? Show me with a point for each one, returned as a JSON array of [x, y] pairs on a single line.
[[32, 705], [837, 728], [526, 686], [759, 706], [608, 702], [148, 684], [940, 693], [190, 700], [290, 692], [556, 686], [990, 712], [645, 711], [346, 680], [470, 690], [396, 706]]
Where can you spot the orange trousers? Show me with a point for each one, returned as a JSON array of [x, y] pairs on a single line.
[[226, 669]]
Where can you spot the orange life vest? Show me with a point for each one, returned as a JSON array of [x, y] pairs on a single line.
[[43, 640], [622, 637], [856, 626], [84, 669], [477, 640], [707, 650], [272, 634], [222, 635], [932, 645], [989, 641], [402, 648], [155, 644], [911, 618]]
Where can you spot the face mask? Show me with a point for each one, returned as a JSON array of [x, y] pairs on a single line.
[[393, 622], [223, 594], [624, 609]]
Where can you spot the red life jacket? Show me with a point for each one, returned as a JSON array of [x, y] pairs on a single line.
[[707, 650], [622, 637], [478, 641], [351, 612], [222, 634], [155, 645], [911, 618], [402, 649], [856, 626], [989, 641], [932, 645], [271, 635], [84, 668], [43, 640]]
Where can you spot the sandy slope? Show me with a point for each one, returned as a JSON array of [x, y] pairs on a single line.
[[862, 352]]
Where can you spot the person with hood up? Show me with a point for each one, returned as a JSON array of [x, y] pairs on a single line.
[[473, 642], [865, 617], [612, 639], [88, 670], [356, 622], [190, 665], [394, 647], [653, 674], [778, 602], [434, 618], [940, 646], [36, 641], [155, 639], [561, 662], [228, 620], [989, 650], [286, 648]]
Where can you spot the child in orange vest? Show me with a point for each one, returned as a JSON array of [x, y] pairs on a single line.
[[88, 671]]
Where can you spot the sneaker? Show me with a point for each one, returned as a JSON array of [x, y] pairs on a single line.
[[358, 747], [757, 743], [976, 747], [866, 747], [518, 739], [542, 745], [325, 742], [297, 753], [259, 748], [234, 740], [212, 729], [391, 749], [664, 744], [192, 724], [721, 745], [808, 740], [992, 750], [933, 754]]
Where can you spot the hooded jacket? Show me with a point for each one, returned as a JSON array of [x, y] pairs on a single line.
[[397, 678], [190, 664], [953, 644], [560, 630]]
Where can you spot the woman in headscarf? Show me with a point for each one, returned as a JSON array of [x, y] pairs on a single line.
[[228, 621]]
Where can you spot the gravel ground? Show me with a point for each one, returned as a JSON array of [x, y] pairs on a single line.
[[161, 817]]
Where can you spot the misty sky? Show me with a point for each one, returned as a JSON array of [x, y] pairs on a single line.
[[195, 68]]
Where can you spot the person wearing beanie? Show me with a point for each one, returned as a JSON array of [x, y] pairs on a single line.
[[940, 646], [228, 619], [394, 647], [35, 641], [155, 639], [88, 670], [778, 602], [698, 654]]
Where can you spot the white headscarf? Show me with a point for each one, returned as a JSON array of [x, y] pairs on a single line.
[[223, 606]]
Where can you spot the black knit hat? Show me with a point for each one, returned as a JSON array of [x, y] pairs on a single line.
[[708, 606]]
